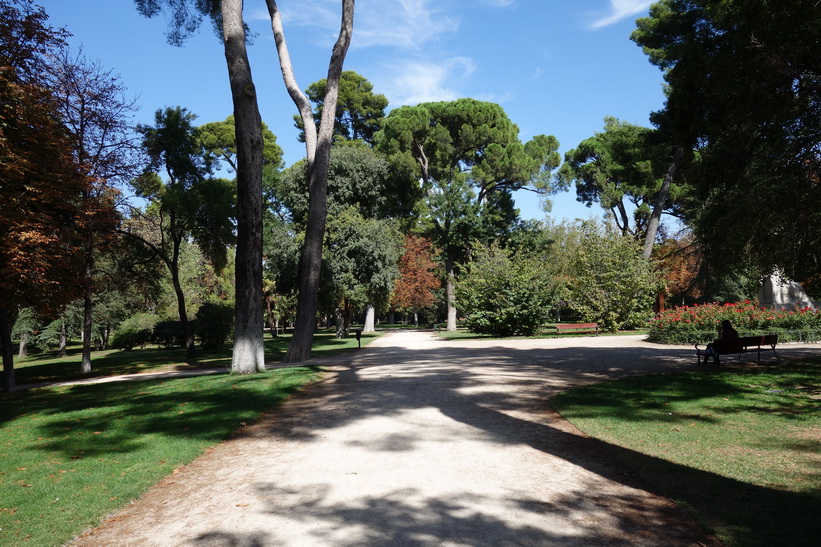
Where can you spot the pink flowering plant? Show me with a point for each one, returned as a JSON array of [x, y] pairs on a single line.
[[699, 324]]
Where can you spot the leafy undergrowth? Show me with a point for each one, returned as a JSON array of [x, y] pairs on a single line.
[[741, 447], [71, 455]]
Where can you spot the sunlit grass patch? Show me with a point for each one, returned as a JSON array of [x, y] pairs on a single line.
[[741, 446], [73, 454]]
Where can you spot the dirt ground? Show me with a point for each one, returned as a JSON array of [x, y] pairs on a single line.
[[417, 441]]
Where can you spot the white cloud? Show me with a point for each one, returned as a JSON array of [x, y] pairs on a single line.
[[406, 24], [413, 81], [619, 10]]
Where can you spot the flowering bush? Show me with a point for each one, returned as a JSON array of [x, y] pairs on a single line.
[[699, 324]]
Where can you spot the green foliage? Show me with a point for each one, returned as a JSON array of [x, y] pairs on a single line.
[[168, 334], [359, 111], [215, 324], [134, 331], [744, 88], [504, 295], [699, 324], [622, 168], [469, 157], [361, 259], [25, 325], [356, 178], [218, 141], [609, 281]]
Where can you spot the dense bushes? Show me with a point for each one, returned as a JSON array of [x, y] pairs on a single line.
[[215, 323], [699, 324], [134, 331], [502, 295], [593, 272], [213, 326]]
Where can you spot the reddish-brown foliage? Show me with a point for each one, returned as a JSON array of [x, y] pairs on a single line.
[[417, 281]]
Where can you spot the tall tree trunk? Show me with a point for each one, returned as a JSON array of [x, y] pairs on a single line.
[[9, 384], [85, 363], [658, 207], [190, 349], [273, 321], [370, 316], [450, 289], [88, 304], [22, 350], [248, 355], [339, 321], [347, 317], [318, 151], [62, 349]]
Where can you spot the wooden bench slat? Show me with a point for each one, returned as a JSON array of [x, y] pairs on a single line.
[[577, 328]]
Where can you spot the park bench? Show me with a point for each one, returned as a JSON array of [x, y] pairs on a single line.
[[577, 328], [737, 346]]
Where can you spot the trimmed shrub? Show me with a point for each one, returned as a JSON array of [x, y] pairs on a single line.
[[215, 323], [169, 334], [699, 324], [502, 295], [134, 331]]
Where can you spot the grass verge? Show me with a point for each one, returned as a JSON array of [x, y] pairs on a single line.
[[740, 447], [47, 367], [71, 455]]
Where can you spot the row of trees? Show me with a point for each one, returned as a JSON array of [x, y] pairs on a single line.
[[385, 197]]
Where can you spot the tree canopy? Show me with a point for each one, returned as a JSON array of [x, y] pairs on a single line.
[[359, 111], [469, 158], [745, 94]]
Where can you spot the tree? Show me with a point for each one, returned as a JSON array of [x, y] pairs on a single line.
[[97, 114], [504, 295], [357, 206], [189, 204], [609, 280], [248, 355], [42, 220], [744, 81], [417, 281], [359, 111], [360, 260], [227, 15], [623, 168], [469, 158], [318, 143]]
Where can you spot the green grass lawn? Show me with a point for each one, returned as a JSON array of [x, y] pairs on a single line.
[[47, 367], [73, 454], [741, 447]]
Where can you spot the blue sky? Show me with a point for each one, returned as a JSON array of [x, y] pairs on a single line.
[[557, 67]]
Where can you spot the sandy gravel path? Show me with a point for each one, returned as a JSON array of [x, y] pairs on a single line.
[[416, 441]]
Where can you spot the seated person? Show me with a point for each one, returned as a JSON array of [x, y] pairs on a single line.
[[725, 332]]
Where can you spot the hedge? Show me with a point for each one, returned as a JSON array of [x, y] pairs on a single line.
[[699, 324]]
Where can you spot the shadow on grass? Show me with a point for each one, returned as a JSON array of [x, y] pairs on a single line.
[[459, 383], [87, 421], [47, 367], [455, 382]]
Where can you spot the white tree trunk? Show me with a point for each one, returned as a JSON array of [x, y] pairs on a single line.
[[451, 292], [370, 315], [318, 152]]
